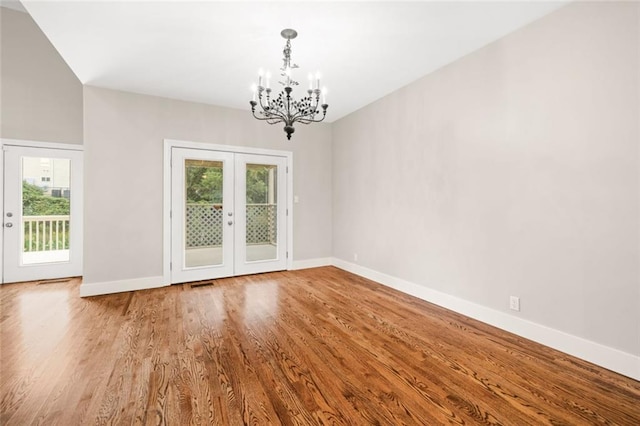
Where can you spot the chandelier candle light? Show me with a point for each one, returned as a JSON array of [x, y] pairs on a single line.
[[285, 109]]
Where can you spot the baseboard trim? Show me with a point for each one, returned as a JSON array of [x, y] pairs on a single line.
[[604, 356], [311, 263], [109, 287]]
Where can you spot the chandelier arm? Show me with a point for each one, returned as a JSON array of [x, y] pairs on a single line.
[[300, 114], [275, 111], [309, 120], [314, 120], [268, 109], [263, 118], [272, 114], [303, 120], [275, 119], [314, 109], [262, 105], [269, 120], [268, 115]]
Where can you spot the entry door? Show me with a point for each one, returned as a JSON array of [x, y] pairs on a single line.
[[228, 214], [42, 216]]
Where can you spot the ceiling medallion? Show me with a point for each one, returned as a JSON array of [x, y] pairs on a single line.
[[284, 108]]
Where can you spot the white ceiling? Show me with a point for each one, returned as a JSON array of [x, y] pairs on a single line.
[[13, 4], [210, 52]]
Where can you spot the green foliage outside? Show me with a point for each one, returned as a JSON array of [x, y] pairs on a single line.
[[204, 184], [257, 184], [36, 203]]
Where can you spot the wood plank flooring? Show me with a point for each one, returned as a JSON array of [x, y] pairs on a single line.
[[317, 346]]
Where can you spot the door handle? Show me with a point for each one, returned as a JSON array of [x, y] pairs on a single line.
[[230, 223], [8, 225]]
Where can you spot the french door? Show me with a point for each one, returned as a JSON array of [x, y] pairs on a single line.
[[228, 214], [42, 213]]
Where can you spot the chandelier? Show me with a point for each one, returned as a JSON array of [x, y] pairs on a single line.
[[284, 108]]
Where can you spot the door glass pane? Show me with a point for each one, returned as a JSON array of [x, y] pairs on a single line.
[[262, 212], [203, 213], [45, 210]]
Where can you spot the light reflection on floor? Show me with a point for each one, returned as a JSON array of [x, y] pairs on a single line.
[[41, 334], [261, 300]]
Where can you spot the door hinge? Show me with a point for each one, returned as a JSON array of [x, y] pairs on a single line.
[[171, 266], [287, 255], [170, 214], [287, 212], [287, 169]]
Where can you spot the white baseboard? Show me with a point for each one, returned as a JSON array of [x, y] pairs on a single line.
[[311, 263], [607, 357], [108, 287]]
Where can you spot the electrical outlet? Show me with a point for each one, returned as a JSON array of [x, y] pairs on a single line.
[[355, 257], [514, 303]]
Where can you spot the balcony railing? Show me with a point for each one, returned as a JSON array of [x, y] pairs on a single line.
[[45, 233], [204, 227], [204, 224]]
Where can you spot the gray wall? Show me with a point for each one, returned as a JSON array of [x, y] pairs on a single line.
[[513, 171], [41, 98], [124, 135]]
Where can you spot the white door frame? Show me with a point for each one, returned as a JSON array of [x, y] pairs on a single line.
[[5, 142], [166, 219]]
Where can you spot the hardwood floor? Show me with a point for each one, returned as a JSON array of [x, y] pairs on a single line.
[[317, 346]]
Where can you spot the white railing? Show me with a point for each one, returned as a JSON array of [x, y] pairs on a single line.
[[45, 233]]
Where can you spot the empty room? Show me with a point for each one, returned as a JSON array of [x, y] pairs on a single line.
[[314, 212]]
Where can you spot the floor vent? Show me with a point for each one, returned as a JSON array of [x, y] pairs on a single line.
[[202, 284], [62, 280]]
